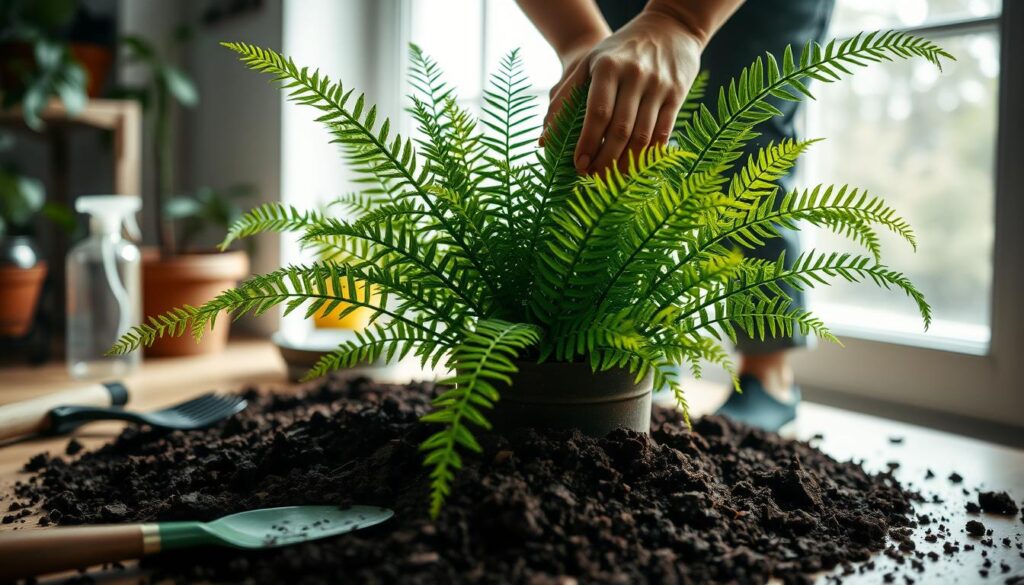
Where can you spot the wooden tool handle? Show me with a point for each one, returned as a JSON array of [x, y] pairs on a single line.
[[32, 416], [26, 553]]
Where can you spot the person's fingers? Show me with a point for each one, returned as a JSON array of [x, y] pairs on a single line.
[[643, 128], [600, 105], [620, 128], [666, 120], [576, 77]]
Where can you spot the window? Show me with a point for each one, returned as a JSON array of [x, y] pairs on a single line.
[[925, 141], [488, 29]]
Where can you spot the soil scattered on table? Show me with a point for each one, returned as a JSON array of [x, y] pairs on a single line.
[[975, 528], [720, 503], [997, 503], [73, 447]]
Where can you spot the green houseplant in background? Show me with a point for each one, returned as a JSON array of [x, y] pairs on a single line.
[[22, 268], [490, 256], [53, 48], [180, 272], [204, 209], [36, 63]]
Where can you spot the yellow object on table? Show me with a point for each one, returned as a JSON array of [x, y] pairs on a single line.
[[356, 320]]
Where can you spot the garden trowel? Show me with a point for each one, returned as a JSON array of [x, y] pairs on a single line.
[[26, 553]]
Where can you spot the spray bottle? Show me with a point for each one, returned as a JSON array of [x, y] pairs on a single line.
[[103, 288]]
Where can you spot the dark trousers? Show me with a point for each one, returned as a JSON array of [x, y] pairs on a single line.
[[758, 26]]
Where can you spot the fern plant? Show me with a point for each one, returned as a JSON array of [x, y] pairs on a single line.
[[482, 250]]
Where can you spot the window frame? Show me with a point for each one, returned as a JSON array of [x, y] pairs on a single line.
[[871, 373]]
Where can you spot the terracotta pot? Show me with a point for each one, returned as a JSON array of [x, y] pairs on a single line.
[[19, 297], [96, 60], [189, 279], [561, 395]]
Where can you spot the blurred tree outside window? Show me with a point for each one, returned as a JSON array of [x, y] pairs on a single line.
[[926, 142]]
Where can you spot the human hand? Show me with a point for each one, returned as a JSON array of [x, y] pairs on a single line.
[[640, 76]]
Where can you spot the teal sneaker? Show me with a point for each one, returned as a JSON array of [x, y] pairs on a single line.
[[755, 407]]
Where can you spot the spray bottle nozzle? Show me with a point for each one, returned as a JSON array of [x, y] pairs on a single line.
[[109, 212]]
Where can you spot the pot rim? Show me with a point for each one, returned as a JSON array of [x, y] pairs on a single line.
[[217, 266], [32, 272], [572, 383]]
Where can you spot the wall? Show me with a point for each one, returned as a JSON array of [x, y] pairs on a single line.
[[233, 136], [352, 41]]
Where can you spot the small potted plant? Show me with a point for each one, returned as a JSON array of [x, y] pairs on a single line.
[[22, 268], [553, 298], [37, 64], [179, 273]]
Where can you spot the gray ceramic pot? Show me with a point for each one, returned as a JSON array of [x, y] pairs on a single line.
[[563, 395]]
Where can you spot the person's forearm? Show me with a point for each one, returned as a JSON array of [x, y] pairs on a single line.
[[703, 18], [566, 24]]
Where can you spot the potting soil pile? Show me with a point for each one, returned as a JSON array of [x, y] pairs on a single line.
[[720, 503]]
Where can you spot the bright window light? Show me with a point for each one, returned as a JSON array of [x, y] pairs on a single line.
[[924, 141]]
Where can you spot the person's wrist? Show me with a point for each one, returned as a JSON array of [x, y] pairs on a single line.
[[677, 14], [582, 43]]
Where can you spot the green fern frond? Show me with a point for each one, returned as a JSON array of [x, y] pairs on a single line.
[[326, 289], [695, 277], [507, 112], [744, 103], [682, 403], [847, 211], [391, 342], [686, 348], [757, 178], [394, 243], [693, 98], [822, 205], [359, 203], [507, 188], [764, 318], [762, 280], [451, 144], [662, 224], [555, 173], [608, 331], [269, 217], [348, 119], [646, 173], [173, 323], [355, 125], [482, 360]]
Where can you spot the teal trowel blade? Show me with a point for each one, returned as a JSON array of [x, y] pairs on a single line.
[[271, 527]]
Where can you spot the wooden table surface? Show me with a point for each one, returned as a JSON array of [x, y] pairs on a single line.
[[846, 435]]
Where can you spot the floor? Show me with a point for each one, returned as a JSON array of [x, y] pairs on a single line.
[[842, 434]]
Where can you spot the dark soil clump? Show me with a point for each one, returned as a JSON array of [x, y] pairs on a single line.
[[997, 503], [720, 503], [975, 528]]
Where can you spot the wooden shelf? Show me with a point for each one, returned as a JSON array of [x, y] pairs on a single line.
[[122, 117]]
